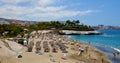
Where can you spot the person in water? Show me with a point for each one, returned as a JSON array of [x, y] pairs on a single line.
[[114, 55]]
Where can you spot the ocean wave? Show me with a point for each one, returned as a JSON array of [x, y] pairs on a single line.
[[105, 35], [116, 49], [106, 46]]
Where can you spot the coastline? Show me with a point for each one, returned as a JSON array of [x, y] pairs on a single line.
[[93, 55], [106, 50]]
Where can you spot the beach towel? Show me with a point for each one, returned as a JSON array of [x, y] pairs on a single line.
[[40, 53]]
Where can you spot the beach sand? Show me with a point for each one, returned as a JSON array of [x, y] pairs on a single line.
[[91, 55]]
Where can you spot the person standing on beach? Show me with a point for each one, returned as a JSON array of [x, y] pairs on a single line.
[[102, 60], [118, 54], [64, 55]]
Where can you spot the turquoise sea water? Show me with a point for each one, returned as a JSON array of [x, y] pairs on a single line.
[[110, 38]]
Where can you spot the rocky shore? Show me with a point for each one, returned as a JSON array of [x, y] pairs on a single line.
[[71, 32]]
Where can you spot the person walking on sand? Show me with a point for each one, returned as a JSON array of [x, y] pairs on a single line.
[[81, 50], [86, 48]]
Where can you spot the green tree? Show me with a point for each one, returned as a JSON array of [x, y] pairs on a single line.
[[68, 22], [77, 22]]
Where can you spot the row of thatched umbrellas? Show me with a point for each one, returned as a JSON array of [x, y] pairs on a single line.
[[55, 44]]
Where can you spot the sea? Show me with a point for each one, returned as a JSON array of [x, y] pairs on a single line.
[[108, 42]]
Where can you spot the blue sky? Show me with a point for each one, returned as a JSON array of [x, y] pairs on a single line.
[[90, 12]]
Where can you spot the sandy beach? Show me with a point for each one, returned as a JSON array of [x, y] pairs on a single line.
[[51, 49]]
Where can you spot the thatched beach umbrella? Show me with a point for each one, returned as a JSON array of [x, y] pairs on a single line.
[[38, 47]]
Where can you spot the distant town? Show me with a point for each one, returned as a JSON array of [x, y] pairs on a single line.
[[28, 23], [103, 27]]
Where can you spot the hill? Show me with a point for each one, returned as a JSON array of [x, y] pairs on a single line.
[[11, 21]]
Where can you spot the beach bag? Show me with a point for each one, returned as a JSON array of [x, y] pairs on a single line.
[[19, 56]]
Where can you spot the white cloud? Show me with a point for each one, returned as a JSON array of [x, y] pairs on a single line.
[[49, 9], [38, 2], [40, 10], [13, 1], [46, 2], [86, 12]]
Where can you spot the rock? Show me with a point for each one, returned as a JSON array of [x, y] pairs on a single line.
[[71, 32]]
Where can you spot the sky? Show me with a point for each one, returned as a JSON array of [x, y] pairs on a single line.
[[89, 12]]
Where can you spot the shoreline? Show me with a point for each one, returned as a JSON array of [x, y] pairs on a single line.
[[104, 49], [109, 51]]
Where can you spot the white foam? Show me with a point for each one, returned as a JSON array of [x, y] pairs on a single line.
[[69, 36], [116, 49]]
